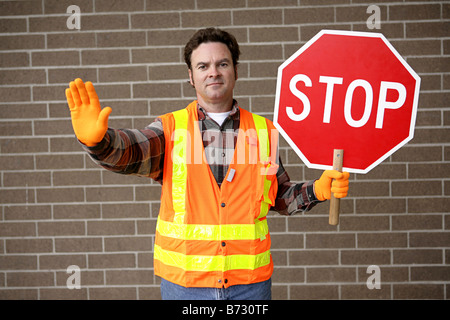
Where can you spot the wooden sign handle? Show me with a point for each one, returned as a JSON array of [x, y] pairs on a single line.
[[338, 157]]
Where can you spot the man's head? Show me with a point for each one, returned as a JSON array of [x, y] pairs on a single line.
[[212, 56], [211, 35]]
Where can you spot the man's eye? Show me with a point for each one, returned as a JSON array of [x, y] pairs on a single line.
[[224, 65], [202, 67]]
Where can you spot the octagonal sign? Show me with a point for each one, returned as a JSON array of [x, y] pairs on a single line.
[[346, 90]]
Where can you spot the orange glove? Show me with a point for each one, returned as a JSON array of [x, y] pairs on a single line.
[[89, 120], [325, 185]]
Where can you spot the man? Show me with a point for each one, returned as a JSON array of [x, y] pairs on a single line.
[[220, 175]]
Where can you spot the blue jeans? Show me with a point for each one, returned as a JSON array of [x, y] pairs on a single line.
[[254, 291]]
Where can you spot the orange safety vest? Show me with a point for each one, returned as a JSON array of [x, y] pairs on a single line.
[[208, 236]]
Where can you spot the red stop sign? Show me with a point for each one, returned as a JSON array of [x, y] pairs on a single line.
[[346, 90]]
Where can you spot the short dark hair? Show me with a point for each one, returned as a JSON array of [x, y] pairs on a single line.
[[212, 35]]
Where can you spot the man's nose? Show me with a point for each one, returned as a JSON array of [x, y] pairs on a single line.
[[214, 72]]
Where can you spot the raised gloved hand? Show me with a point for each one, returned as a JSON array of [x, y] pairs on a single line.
[[89, 120], [325, 185]]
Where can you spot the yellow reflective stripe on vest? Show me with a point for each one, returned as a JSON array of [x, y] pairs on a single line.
[[179, 167], [264, 155], [213, 232], [211, 263], [263, 137]]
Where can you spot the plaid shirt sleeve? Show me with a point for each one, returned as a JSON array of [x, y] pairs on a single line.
[[293, 197], [131, 151]]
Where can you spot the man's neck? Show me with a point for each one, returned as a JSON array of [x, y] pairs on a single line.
[[219, 107]]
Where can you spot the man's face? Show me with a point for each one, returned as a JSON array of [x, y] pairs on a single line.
[[212, 73]]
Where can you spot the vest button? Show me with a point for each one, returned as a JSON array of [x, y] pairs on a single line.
[[226, 280], [223, 204], [223, 244]]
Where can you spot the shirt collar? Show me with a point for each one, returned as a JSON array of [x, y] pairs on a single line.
[[234, 111]]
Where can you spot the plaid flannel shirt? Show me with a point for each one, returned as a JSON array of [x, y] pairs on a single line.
[[141, 153]]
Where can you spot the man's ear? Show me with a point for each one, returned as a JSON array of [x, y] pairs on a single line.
[[191, 80], [235, 73]]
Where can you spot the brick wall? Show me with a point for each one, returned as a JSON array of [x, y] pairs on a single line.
[[58, 209]]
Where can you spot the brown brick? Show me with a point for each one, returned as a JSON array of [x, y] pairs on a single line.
[[257, 17], [121, 74], [418, 188], [429, 170], [14, 59], [48, 23], [18, 262], [330, 274], [127, 277], [429, 239], [153, 90], [109, 194], [415, 12], [313, 292], [167, 5], [325, 240], [313, 257], [13, 25], [294, 241], [428, 205], [108, 6], [65, 75], [17, 229], [364, 223], [170, 72], [22, 42], [417, 222], [63, 294], [55, 58], [288, 275], [78, 244], [172, 37], [60, 228], [427, 29], [70, 40], [265, 34], [28, 212], [110, 227], [121, 39], [154, 55], [19, 294], [109, 261], [418, 291], [104, 56], [105, 22], [60, 6], [386, 205], [112, 293], [29, 245], [308, 15], [417, 256], [132, 210], [155, 20], [9, 8], [382, 240], [361, 291], [365, 257], [60, 195], [58, 261], [15, 94], [30, 279], [418, 154], [128, 244], [77, 211]]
